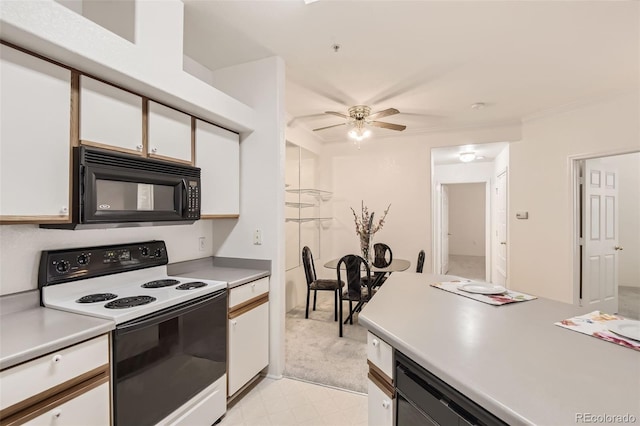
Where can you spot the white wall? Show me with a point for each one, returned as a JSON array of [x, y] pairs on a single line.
[[394, 171], [540, 249], [20, 246], [467, 213], [260, 84]]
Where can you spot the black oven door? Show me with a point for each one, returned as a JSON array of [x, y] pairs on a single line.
[[162, 360]]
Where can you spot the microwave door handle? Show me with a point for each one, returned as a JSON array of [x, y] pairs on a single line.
[[185, 197]]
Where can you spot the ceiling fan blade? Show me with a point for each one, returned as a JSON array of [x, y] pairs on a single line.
[[390, 126], [339, 114], [383, 113], [328, 127]]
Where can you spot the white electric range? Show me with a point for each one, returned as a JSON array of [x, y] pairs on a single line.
[[169, 344]]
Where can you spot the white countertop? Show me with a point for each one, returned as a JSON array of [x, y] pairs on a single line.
[[32, 331], [511, 359]]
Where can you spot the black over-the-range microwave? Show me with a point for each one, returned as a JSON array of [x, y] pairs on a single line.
[[113, 189]]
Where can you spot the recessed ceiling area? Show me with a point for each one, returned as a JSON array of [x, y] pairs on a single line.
[[431, 60], [484, 153]]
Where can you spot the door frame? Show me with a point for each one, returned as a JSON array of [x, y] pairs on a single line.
[[436, 209], [575, 162]]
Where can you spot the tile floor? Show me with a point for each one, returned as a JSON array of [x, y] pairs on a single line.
[[292, 402]]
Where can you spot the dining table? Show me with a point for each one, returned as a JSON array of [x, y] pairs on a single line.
[[396, 265]]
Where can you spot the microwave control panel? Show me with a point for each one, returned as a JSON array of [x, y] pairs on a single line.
[[193, 200]]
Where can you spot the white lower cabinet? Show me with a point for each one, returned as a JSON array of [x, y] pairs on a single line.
[[381, 391], [380, 406], [67, 387], [248, 333]]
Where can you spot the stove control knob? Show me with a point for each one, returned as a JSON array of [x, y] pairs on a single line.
[[83, 259], [62, 266], [144, 251], [158, 253]]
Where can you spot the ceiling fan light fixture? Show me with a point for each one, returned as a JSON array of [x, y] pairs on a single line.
[[466, 157], [359, 134]]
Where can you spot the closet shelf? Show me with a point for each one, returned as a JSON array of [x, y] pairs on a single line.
[[307, 219], [318, 193], [299, 205]]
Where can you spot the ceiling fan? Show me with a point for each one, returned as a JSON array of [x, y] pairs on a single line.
[[361, 116]]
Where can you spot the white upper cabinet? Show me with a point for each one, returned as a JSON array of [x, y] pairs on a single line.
[[110, 117], [169, 133], [218, 155], [35, 150]]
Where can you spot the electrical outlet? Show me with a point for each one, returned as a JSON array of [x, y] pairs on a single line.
[[201, 242], [257, 237]]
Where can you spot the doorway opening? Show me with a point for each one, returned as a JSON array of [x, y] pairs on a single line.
[[466, 207], [464, 232], [607, 233]]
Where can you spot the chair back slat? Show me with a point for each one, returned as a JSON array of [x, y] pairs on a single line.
[[309, 267], [420, 263]]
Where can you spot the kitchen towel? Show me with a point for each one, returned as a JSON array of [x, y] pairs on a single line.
[[597, 324], [508, 296]]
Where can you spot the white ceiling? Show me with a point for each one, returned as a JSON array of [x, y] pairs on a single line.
[[429, 59]]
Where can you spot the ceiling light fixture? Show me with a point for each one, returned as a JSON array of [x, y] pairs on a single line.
[[478, 105], [465, 157]]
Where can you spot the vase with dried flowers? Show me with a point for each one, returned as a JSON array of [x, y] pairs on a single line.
[[365, 228]]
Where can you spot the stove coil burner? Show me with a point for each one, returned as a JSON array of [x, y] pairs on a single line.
[[160, 283], [129, 302], [191, 285], [98, 297]]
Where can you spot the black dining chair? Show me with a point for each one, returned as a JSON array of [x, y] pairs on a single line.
[[382, 257], [420, 263], [355, 292], [314, 284]]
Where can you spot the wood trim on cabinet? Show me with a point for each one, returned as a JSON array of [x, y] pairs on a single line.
[[172, 159], [381, 380], [24, 220], [52, 397], [75, 109], [145, 127], [110, 147], [219, 216], [248, 305], [193, 141]]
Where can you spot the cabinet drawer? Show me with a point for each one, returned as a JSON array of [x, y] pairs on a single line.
[[248, 291], [380, 353], [48, 371], [89, 408]]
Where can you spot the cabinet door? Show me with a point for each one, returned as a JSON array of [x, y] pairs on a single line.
[[110, 117], [89, 408], [380, 406], [218, 155], [248, 346], [169, 133], [35, 149]]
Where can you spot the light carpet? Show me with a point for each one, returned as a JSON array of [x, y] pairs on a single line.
[[316, 354]]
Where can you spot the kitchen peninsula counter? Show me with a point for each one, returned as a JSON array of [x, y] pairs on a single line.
[[510, 359], [235, 272], [28, 330]]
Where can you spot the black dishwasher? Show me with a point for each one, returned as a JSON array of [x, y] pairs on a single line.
[[424, 399]]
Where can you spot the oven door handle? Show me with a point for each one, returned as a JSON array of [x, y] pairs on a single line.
[[172, 312]]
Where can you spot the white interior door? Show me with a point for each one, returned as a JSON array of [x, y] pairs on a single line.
[[500, 276], [444, 238], [599, 285]]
